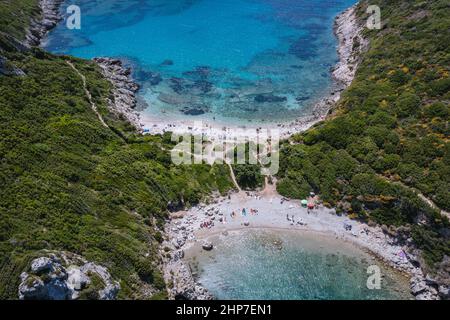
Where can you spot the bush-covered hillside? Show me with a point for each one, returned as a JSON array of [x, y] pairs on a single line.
[[15, 16], [69, 183], [388, 138]]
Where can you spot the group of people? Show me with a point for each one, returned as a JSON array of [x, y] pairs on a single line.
[[292, 220], [207, 224], [244, 212]]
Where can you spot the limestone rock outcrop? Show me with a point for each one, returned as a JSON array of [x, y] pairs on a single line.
[[66, 276]]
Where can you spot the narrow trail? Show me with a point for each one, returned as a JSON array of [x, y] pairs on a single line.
[[196, 156], [233, 177], [433, 205], [270, 189], [88, 94], [420, 195]]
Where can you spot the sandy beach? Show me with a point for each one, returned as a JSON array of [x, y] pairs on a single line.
[[268, 210], [347, 30], [276, 212]]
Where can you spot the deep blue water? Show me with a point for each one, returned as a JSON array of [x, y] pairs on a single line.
[[291, 265], [235, 60]]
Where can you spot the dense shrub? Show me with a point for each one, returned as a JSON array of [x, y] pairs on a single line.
[[389, 134], [68, 183], [407, 104]]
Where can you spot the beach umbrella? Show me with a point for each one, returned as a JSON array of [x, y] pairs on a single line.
[[304, 203]]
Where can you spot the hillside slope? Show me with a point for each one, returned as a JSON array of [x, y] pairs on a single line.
[[386, 147], [69, 183]]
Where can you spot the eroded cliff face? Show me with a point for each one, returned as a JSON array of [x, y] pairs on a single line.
[[49, 18], [66, 276], [124, 89]]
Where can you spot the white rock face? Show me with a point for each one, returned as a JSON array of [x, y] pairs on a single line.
[[444, 292], [41, 264], [64, 276], [352, 43], [50, 18], [77, 280], [423, 289], [124, 89], [32, 289]]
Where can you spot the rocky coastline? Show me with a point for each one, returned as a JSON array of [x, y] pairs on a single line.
[[50, 16], [179, 232], [185, 230], [351, 44], [348, 30], [124, 91]]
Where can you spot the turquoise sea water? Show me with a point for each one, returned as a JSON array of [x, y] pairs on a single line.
[[260, 264], [234, 60]]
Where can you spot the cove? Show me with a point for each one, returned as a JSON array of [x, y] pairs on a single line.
[[286, 264], [235, 61]]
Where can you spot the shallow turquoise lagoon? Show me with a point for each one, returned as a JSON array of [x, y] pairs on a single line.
[[284, 264], [235, 60]]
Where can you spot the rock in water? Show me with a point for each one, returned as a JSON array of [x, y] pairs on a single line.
[[32, 288], [167, 62], [270, 98], [208, 246]]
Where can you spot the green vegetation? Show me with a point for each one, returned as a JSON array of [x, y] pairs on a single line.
[[248, 175], [15, 16], [69, 183], [389, 133]]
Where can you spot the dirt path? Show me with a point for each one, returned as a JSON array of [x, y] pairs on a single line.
[[88, 94], [432, 204], [420, 195], [425, 199]]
